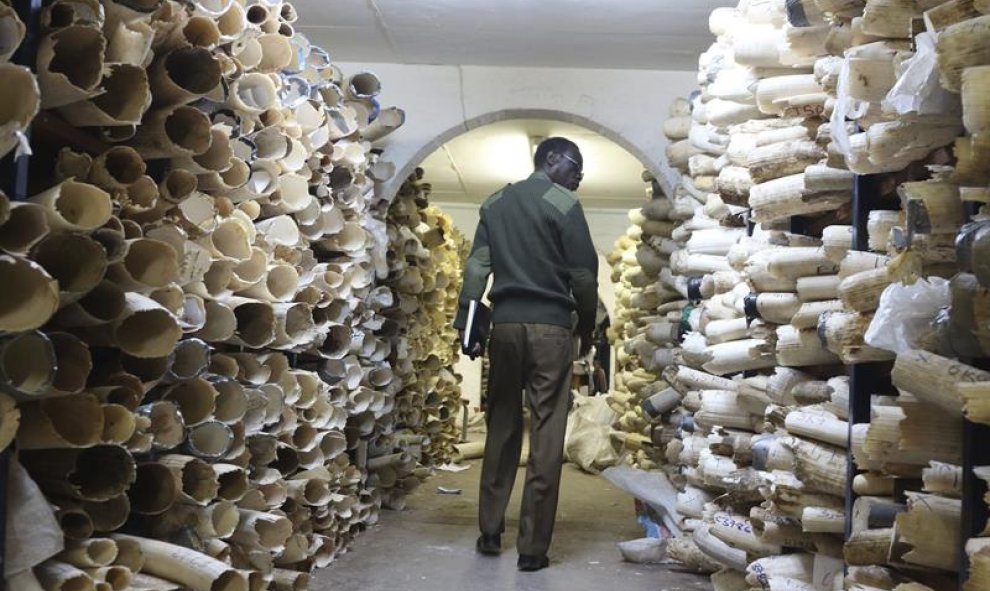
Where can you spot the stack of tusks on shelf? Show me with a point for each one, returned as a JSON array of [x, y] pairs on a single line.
[[701, 300], [915, 110], [636, 266], [191, 347], [771, 445], [759, 460], [963, 67], [425, 260]]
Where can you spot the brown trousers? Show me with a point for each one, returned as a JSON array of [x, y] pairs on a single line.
[[535, 359]]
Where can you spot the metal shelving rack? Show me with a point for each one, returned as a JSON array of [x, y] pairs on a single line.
[[869, 379], [865, 379], [974, 515]]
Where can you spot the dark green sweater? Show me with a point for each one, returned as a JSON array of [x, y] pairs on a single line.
[[534, 238]]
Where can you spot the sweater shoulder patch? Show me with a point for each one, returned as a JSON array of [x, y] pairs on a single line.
[[562, 199], [493, 199]]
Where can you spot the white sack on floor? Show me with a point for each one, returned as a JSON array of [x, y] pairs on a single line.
[[644, 550], [587, 443]]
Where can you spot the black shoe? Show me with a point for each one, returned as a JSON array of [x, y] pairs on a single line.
[[529, 563], [489, 545]]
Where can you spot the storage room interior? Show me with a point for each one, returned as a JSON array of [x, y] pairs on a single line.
[[236, 237]]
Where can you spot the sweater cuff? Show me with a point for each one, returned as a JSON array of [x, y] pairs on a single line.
[[586, 323]]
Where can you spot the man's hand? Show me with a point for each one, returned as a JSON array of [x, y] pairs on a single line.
[[586, 342], [476, 349]]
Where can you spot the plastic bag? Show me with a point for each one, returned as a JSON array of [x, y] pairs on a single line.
[[905, 318], [588, 442], [918, 89], [644, 550], [653, 488], [845, 108]]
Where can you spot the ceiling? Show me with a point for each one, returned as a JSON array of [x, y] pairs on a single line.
[[472, 166], [633, 34]]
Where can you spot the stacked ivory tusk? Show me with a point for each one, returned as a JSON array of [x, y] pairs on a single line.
[[732, 342], [212, 363], [426, 255], [641, 329], [774, 459], [977, 548], [759, 459], [919, 433], [941, 243], [24, 101]]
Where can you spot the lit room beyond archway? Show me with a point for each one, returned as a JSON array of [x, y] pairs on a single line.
[[464, 170]]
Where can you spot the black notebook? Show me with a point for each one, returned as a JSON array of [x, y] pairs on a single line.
[[479, 320]]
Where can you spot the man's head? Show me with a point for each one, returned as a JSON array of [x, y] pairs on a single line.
[[561, 160]]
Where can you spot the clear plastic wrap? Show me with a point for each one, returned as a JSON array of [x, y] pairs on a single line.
[[906, 317], [917, 89]]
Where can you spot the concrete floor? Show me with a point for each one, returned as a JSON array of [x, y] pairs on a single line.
[[430, 545]]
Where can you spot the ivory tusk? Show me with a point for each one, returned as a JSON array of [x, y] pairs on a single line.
[[188, 567], [27, 364]]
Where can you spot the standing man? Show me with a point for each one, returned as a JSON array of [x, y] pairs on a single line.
[[533, 236]]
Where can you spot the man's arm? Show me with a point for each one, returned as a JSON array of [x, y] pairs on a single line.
[[476, 272], [582, 264]]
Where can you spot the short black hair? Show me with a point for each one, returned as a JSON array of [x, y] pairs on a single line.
[[553, 144]]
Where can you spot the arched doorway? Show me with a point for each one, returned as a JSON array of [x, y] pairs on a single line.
[[411, 157], [469, 167], [472, 163]]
